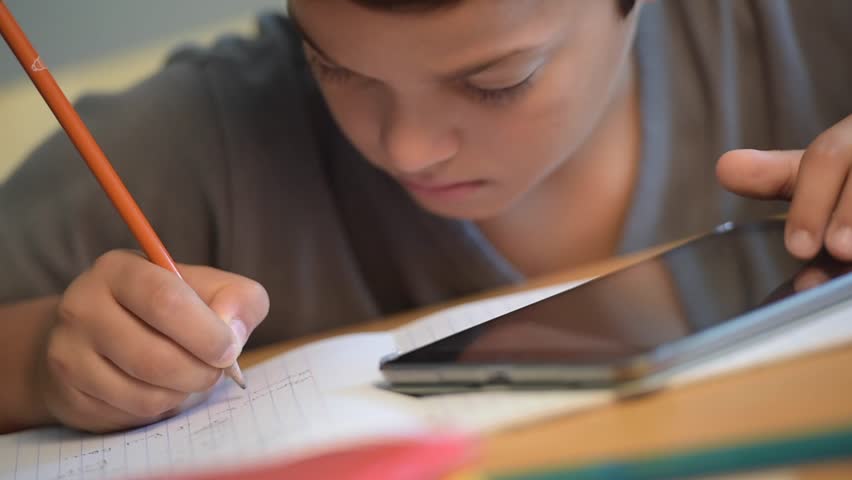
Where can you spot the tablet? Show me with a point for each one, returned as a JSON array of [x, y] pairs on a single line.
[[687, 304]]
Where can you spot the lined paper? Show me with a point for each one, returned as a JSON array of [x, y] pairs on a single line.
[[295, 402]]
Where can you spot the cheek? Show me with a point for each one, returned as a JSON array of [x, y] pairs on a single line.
[[357, 114], [557, 116], [527, 137]]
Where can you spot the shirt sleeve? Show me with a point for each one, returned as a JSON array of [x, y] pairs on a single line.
[[162, 138]]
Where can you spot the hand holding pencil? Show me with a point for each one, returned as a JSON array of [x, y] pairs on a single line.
[[132, 339]]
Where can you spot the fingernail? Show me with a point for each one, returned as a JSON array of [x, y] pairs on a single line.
[[841, 239], [238, 329], [802, 243], [810, 279], [240, 332], [230, 355]]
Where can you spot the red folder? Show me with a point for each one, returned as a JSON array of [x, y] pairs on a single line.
[[401, 459]]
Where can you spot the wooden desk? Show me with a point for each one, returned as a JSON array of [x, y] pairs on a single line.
[[810, 392]]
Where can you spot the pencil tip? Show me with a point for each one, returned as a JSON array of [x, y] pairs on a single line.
[[236, 375]]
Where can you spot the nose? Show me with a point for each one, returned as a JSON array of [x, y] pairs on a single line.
[[417, 138]]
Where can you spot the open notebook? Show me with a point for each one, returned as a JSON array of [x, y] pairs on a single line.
[[324, 395]]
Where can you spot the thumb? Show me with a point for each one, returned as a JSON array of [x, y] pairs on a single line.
[[242, 305], [760, 174], [240, 302]]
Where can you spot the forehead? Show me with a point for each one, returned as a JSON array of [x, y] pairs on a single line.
[[350, 33]]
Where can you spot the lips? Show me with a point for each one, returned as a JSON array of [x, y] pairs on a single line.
[[436, 187], [443, 191]]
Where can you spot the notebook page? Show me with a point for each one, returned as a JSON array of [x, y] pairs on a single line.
[[310, 398]]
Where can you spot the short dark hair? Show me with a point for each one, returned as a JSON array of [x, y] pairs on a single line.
[[426, 5]]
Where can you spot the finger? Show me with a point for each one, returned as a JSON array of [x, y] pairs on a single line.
[[810, 278], [241, 302], [97, 377], [838, 239], [230, 295], [70, 405], [129, 343], [91, 414], [760, 174], [142, 400], [152, 358], [822, 172], [171, 307]]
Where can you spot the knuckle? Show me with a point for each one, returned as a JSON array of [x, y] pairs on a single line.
[[157, 368], [788, 188], [827, 151], [258, 297], [109, 260], [165, 298], [69, 311], [842, 214], [78, 403], [74, 306], [255, 291], [77, 406], [78, 410], [55, 359]]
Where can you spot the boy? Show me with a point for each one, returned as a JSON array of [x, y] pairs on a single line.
[[367, 156]]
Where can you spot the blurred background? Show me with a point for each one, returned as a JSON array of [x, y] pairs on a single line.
[[102, 45]]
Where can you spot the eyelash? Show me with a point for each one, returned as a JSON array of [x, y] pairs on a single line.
[[500, 95], [328, 72], [485, 95]]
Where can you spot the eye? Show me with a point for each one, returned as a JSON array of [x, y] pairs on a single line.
[[326, 71], [502, 94]]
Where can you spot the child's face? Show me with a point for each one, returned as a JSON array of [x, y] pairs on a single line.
[[472, 106]]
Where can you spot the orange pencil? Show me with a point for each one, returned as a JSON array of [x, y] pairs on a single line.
[[95, 158]]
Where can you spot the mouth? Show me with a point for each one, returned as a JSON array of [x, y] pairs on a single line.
[[442, 190]]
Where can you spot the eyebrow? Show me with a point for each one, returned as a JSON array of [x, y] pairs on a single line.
[[459, 74], [307, 39], [483, 66]]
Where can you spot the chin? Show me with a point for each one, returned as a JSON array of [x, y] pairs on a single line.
[[470, 211]]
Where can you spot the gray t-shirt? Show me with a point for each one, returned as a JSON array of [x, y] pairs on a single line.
[[233, 156]]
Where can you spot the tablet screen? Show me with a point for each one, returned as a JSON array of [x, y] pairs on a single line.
[[694, 287]]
